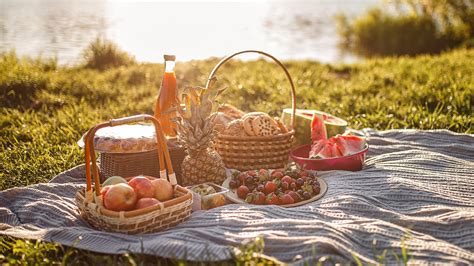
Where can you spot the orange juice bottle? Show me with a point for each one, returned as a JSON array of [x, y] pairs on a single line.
[[166, 103]]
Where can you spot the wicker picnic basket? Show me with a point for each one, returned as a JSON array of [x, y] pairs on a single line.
[[146, 220], [256, 152], [145, 163]]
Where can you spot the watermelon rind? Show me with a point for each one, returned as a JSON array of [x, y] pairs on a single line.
[[303, 124]]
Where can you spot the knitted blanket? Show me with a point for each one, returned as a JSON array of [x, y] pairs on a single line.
[[416, 192]]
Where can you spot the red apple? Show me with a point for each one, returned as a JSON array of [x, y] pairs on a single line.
[[120, 197], [104, 190], [146, 202], [142, 186], [163, 189]]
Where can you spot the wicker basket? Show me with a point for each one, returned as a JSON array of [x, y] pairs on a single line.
[[256, 152], [146, 220], [139, 163]]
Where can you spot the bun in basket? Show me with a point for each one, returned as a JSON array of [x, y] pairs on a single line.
[[264, 125], [235, 128]]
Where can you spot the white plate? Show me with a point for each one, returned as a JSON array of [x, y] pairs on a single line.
[[232, 196]]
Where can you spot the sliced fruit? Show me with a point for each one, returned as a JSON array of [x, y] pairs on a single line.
[[318, 129], [349, 144], [334, 125], [316, 148], [336, 146]]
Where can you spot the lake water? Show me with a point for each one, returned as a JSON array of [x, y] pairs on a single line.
[[190, 29]]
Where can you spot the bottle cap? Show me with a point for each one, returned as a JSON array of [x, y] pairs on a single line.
[[169, 57]]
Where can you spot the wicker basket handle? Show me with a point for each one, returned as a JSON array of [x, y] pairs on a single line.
[[90, 156], [293, 91]]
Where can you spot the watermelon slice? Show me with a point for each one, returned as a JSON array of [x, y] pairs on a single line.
[[317, 147], [318, 129], [349, 144], [336, 146]]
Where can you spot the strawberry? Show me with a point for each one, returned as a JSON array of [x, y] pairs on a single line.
[[242, 191], [287, 199], [295, 196], [316, 189], [287, 179], [293, 186], [252, 173], [263, 175], [272, 199], [270, 187], [258, 198], [277, 174], [303, 173], [262, 172], [242, 176]]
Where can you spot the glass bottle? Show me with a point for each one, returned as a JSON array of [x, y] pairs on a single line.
[[166, 102]]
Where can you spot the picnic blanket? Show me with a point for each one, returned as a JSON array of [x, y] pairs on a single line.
[[416, 191]]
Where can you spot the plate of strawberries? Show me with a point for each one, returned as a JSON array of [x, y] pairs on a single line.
[[288, 187]]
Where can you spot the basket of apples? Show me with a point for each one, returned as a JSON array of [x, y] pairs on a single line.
[[140, 204], [289, 187]]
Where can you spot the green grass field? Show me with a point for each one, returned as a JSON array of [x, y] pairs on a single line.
[[45, 108]]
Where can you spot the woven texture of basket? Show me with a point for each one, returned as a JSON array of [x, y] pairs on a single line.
[[139, 163], [146, 220], [256, 152]]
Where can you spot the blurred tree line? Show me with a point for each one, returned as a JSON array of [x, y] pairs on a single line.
[[409, 27]]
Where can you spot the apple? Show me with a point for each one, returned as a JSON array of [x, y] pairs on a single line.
[[104, 190], [163, 189], [120, 197], [113, 180], [146, 202], [142, 186]]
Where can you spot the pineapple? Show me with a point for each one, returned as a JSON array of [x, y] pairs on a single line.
[[196, 133]]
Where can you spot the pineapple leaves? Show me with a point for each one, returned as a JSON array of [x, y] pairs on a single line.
[[220, 91], [196, 123]]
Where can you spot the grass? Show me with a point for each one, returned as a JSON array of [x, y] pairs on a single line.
[[45, 108], [103, 54]]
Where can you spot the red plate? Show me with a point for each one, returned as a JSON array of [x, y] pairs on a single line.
[[352, 162]]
